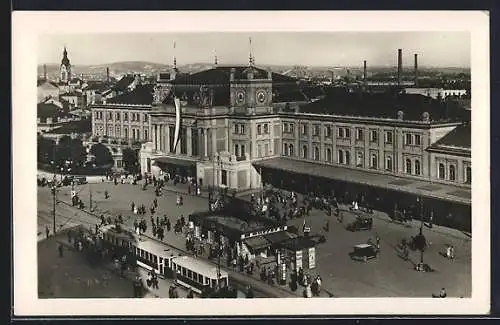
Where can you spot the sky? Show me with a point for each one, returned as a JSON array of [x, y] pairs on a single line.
[[437, 49]]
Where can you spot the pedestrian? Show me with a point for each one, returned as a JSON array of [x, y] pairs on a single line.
[[442, 293], [70, 236], [60, 250], [47, 231]]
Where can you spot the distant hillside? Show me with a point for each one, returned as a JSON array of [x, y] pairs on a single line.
[[119, 68]]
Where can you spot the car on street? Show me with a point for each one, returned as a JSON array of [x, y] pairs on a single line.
[[77, 180], [363, 252], [361, 223]]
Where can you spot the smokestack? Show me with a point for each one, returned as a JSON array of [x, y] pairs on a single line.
[[107, 74], [416, 70], [400, 65], [44, 72], [364, 72]]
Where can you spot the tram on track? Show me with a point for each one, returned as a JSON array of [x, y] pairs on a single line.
[[188, 272]]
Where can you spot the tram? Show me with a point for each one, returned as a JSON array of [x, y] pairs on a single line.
[[188, 272]]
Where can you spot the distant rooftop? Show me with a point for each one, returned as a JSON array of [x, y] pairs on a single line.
[[141, 95], [457, 140]]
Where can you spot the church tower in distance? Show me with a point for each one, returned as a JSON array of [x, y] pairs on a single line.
[[65, 68]]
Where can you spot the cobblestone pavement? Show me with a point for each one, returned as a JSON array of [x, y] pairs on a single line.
[[387, 276]]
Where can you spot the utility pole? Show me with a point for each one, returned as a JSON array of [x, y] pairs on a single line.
[[90, 196], [54, 187]]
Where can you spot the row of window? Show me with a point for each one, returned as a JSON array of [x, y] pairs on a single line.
[[134, 117], [239, 128], [452, 175], [262, 128], [345, 133], [116, 132], [344, 158]]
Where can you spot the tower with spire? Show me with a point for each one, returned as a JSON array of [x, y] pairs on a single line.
[[65, 68]]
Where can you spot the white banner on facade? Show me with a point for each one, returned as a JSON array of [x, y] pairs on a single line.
[[177, 121], [312, 258]]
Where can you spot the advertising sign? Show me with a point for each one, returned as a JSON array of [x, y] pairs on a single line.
[[298, 259], [312, 258]]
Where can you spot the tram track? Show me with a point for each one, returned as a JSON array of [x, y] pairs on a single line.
[[239, 279]]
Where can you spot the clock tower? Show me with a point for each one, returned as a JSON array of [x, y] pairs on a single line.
[[251, 91]]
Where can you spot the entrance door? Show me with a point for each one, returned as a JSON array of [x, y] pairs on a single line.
[[224, 177]]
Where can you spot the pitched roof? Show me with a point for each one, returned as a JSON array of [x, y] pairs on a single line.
[[141, 95], [384, 105], [124, 82], [71, 93], [48, 110], [81, 126], [458, 137]]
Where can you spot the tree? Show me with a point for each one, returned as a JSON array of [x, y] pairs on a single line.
[[45, 149], [102, 154], [130, 160]]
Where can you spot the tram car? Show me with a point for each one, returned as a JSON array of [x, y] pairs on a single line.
[[186, 271]]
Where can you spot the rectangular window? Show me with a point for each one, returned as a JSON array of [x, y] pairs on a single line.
[[236, 129], [304, 129], [388, 137], [374, 136], [259, 150], [359, 134], [146, 135], [285, 127], [266, 128], [417, 139], [145, 117], [347, 133], [328, 132], [341, 132], [316, 130], [290, 128], [388, 163], [242, 129], [259, 129], [125, 116], [266, 150], [408, 139]]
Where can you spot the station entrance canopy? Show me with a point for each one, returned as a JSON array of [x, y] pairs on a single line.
[[421, 188]]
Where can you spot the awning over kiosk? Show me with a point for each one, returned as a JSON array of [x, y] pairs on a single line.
[[277, 237], [297, 243], [257, 243], [174, 161]]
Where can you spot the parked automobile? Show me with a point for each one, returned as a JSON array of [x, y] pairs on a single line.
[[77, 180], [363, 252], [361, 223]]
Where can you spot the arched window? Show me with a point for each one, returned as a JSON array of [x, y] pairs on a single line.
[[374, 162], [417, 167], [316, 153], [125, 131], [408, 166], [468, 175], [347, 158], [452, 173], [341, 157], [285, 149], [441, 171], [304, 152], [290, 150], [388, 163], [328, 154]]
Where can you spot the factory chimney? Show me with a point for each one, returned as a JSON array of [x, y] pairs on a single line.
[[107, 74], [45, 72], [400, 66], [416, 70], [364, 72]]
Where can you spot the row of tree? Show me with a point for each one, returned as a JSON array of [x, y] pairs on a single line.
[[72, 150]]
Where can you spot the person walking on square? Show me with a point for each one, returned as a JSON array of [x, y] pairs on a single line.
[[60, 250], [47, 231]]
